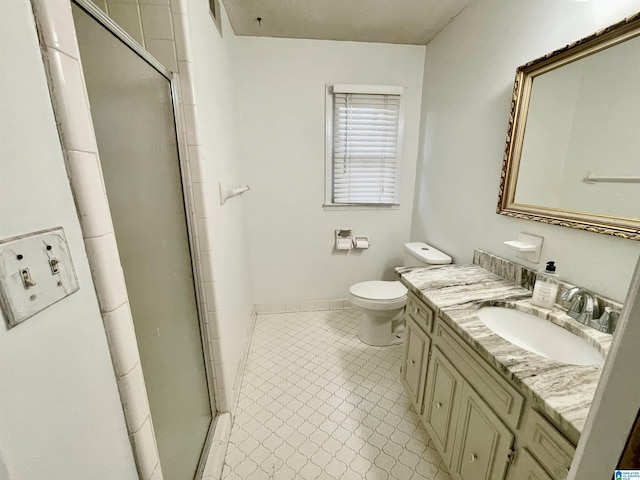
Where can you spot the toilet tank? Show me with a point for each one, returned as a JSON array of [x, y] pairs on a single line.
[[418, 254]]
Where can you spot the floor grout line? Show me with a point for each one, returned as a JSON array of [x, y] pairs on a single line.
[[316, 403]]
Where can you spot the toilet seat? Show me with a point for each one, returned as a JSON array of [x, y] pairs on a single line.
[[379, 295]]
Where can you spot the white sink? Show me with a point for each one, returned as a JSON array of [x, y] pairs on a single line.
[[540, 336]]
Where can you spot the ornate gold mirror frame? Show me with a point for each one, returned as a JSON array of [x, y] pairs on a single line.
[[611, 225]]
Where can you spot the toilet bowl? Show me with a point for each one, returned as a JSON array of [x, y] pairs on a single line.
[[381, 303]]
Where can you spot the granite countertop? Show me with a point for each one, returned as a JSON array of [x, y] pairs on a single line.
[[456, 292]]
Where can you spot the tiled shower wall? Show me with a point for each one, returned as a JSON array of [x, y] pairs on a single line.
[[150, 23]]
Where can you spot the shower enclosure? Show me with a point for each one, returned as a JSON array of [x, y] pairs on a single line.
[[133, 117]]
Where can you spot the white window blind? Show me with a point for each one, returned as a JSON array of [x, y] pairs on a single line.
[[366, 130]]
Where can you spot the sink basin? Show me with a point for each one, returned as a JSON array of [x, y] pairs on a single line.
[[540, 336]]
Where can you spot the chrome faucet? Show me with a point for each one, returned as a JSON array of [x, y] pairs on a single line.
[[608, 322], [584, 304]]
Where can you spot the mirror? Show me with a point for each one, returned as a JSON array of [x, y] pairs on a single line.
[[572, 155]]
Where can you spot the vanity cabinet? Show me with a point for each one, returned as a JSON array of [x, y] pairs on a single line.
[[475, 417]]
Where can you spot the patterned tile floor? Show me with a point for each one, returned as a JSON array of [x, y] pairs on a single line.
[[316, 403]]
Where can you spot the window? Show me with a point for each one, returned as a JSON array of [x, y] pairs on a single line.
[[364, 135]]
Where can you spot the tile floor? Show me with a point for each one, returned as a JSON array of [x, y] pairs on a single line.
[[316, 403]]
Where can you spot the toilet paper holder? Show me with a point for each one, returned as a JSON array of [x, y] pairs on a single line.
[[344, 239], [361, 242]]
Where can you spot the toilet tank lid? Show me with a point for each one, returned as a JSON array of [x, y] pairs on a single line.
[[427, 253]]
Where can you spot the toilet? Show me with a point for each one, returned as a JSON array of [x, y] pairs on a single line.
[[381, 303]]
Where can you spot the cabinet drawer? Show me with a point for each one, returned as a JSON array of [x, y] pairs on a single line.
[[548, 445], [503, 398], [422, 314]]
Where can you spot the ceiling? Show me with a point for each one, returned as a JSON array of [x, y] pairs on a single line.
[[384, 21]]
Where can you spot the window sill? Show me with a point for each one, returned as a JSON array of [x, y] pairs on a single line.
[[361, 206]]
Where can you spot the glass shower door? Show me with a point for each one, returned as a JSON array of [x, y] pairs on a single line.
[[131, 107]]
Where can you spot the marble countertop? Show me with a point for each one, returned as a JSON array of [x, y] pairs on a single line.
[[456, 292]]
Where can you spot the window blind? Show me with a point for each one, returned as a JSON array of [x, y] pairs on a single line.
[[365, 147]]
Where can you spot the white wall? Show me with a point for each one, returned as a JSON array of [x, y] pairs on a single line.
[[282, 111], [223, 231], [60, 414], [469, 71]]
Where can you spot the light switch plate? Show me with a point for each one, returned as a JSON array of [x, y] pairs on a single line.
[[36, 271]]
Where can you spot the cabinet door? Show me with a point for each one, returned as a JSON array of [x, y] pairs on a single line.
[[441, 402], [529, 469], [414, 365], [483, 442]]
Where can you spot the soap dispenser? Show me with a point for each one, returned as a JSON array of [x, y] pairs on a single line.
[[546, 287]]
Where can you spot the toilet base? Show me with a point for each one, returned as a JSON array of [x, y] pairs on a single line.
[[394, 339], [381, 328]]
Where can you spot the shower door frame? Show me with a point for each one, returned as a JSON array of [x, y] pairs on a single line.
[[174, 81]]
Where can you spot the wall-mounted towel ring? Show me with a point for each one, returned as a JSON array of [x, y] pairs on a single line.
[[226, 193], [591, 177]]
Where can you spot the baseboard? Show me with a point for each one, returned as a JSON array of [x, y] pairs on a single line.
[[303, 306]]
